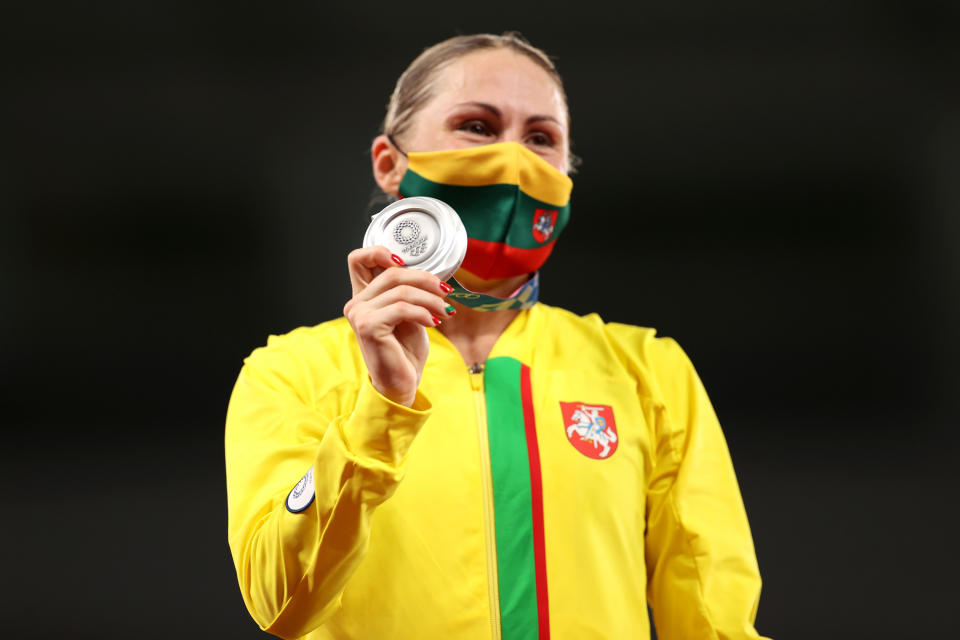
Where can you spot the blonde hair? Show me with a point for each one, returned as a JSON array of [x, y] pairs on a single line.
[[417, 83]]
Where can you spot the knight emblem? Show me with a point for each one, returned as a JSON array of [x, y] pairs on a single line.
[[591, 428], [544, 222]]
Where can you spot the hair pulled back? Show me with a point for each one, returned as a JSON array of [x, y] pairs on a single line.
[[417, 84]]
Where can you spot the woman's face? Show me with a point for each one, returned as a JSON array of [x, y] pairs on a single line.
[[488, 96]]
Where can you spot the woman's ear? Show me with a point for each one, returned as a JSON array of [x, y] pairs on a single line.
[[389, 164]]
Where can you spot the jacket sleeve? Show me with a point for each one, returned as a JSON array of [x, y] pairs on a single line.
[[703, 579], [289, 413]]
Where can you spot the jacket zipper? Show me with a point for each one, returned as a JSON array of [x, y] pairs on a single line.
[[480, 403]]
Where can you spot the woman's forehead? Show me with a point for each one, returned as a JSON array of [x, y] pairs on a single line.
[[500, 76]]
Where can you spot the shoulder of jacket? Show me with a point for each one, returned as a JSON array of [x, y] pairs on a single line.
[[657, 363], [331, 331], [328, 346], [631, 340], [645, 343], [661, 360], [325, 331]]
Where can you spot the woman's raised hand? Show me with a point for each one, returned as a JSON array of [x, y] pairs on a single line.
[[389, 309]]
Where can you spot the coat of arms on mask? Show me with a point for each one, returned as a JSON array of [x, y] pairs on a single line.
[[544, 221]]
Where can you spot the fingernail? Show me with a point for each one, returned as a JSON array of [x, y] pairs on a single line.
[[398, 259], [445, 287], [436, 321], [450, 310]]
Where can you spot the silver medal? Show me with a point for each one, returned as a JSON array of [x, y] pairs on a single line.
[[427, 233]]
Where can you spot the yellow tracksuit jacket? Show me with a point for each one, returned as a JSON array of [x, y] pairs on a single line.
[[580, 476]]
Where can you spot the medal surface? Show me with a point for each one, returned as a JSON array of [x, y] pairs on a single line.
[[427, 233]]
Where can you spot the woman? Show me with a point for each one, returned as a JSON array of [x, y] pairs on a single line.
[[517, 472]]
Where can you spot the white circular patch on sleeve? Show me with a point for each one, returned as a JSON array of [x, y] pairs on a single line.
[[301, 496]]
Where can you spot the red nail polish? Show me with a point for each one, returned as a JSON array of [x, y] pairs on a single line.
[[398, 259], [436, 321], [445, 287]]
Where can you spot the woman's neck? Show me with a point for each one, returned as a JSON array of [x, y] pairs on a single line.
[[474, 332]]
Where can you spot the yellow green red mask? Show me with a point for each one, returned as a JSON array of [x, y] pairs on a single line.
[[512, 202]]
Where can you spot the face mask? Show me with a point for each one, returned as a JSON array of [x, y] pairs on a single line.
[[512, 202]]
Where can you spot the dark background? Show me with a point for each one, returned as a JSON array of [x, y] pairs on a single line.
[[774, 186]]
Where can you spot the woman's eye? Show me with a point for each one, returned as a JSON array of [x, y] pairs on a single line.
[[540, 140], [476, 127]]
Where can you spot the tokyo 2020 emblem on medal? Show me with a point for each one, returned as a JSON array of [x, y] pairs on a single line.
[[590, 428]]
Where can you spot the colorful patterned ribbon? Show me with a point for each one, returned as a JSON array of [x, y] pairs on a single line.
[[523, 298]]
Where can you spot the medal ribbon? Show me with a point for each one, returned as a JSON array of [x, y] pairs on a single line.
[[523, 298]]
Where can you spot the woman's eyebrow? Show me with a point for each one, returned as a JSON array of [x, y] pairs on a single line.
[[482, 105], [492, 109], [533, 119]]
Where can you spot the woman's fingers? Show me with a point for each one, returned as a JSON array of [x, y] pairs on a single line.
[[367, 263], [388, 310], [387, 317], [377, 329], [433, 303], [394, 345], [393, 278], [371, 275]]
